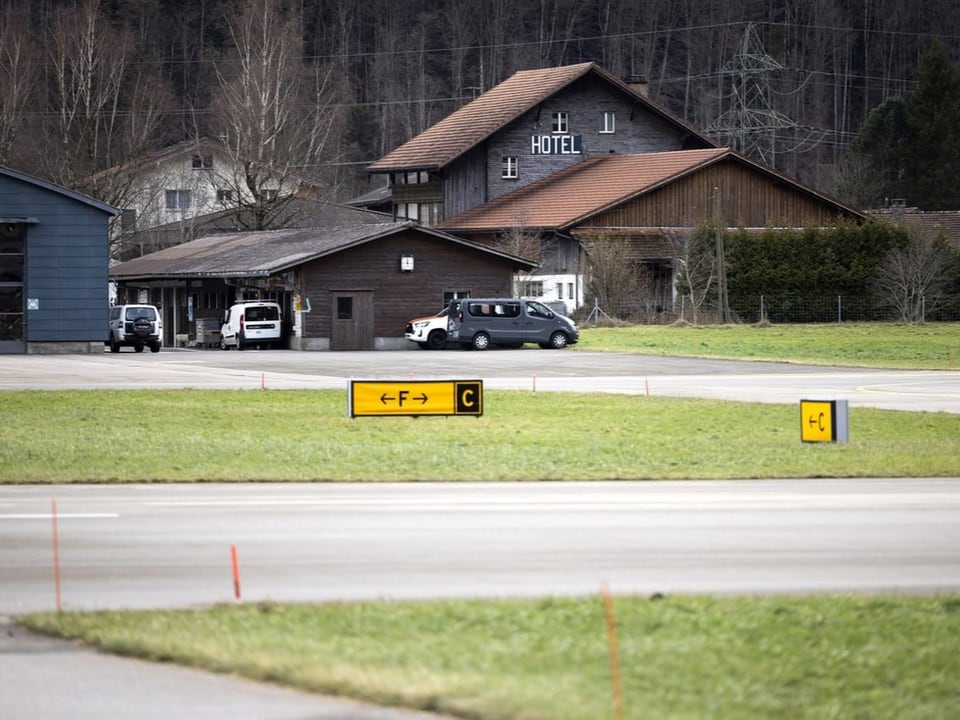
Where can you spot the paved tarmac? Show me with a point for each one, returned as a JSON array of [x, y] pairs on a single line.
[[526, 369]]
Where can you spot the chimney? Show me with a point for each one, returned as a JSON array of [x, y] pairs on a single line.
[[637, 83]]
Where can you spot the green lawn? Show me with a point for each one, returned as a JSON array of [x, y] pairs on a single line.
[[548, 659], [933, 346], [305, 435]]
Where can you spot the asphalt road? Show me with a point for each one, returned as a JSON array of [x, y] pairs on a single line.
[[530, 368]]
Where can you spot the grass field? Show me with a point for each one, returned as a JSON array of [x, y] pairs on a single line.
[[933, 346], [548, 659], [544, 659], [305, 435]]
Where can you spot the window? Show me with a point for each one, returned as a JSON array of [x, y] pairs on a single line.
[[560, 123], [608, 122], [570, 291], [224, 196], [268, 195], [128, 220], [509, 167], [532, 288], [203, 162], [344, 308], [430, 213], [559, 291], [449, 295], [178, 199], [408, 211]]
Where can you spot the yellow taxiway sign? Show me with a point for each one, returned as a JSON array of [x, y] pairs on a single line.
[[429, 397]]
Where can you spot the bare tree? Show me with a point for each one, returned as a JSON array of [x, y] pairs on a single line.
[[274, 113], [914, 278], [614, 282], [17, 71], [696, 268]]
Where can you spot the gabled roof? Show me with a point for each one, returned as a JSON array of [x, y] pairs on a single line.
[[195, 146], [479, 119], [264, 253], [588, 188], [59, 189]]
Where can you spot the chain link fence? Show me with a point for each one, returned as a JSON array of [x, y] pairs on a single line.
[[780, 309]]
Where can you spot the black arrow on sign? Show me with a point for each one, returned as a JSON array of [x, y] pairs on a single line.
[[384, 399], [422, 397]]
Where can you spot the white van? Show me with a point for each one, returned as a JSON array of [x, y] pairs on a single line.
[[508, 322], [251, 323]]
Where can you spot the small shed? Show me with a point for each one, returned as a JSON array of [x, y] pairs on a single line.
[[54, 249]]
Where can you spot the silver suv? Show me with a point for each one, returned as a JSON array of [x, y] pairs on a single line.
[[136, 326]]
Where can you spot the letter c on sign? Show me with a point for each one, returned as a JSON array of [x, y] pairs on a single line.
[[467, 399]]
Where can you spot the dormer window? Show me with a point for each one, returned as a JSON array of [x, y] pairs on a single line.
[[203, 162], [560, 123], [509, 167]]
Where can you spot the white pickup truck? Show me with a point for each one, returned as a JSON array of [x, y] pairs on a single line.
[[430, 333]]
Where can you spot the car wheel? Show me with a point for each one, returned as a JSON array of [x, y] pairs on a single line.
[[558, 340], [114, 346], [437, 340], [155, 347], [223, 344], [138, 347], [240, 341], [481, 341]]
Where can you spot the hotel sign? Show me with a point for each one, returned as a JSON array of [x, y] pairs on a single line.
[[556, 144]]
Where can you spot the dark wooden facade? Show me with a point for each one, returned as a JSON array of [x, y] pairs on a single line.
[[371, 275]]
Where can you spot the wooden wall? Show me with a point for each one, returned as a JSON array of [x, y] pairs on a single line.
[[439, 266]]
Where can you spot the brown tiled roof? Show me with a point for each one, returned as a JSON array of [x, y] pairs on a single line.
[[929, 223], [582, 190], [479, 119]]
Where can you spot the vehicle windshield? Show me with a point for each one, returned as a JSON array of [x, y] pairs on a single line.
[[141, 313]]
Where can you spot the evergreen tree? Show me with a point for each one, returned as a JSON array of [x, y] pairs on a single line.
[[932, 150], [910, 148]]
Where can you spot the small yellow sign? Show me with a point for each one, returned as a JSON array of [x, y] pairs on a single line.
[[430, 397], [816, 421]]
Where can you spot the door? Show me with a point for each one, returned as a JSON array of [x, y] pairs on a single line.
[[12, 274], [351, 320], [539, 322]]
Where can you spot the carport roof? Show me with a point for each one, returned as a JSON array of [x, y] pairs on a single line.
[[267, 252]]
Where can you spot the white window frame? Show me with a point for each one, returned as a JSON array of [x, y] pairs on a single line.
[[178, 199], [510, 167], [608, 122], [560, 122]]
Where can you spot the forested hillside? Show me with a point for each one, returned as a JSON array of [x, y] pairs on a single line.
[[87, 85]]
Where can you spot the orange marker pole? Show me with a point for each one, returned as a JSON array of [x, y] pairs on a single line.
[[534, 383], [236, 572], [646, 384], [56, 553], [263, 381], [614, 654]]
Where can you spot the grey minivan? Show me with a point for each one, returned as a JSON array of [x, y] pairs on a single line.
[[509, 322]]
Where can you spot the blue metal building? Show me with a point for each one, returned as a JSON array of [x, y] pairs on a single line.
[[54, 255]]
